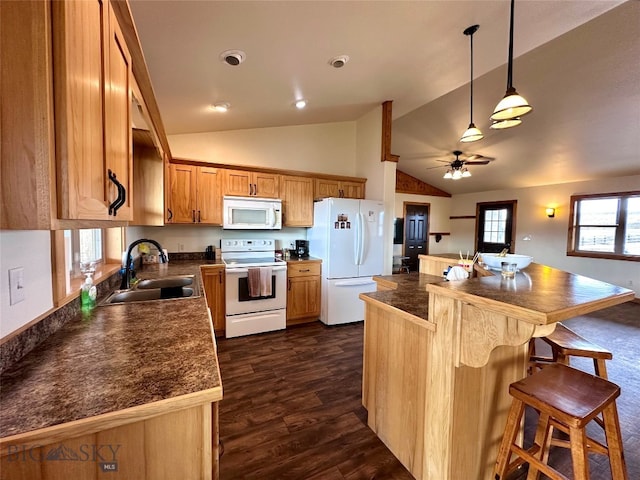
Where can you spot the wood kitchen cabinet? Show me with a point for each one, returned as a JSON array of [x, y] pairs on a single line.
[[92, 104], [194, 194], [325, 187], [68, 99], [214, 289], [303, 291], [297, 201], [244, 183]]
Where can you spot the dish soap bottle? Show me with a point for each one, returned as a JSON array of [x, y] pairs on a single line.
[[88, 293]]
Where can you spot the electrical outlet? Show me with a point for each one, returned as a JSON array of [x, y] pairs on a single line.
[[16, 285], [630, 283], [181, 247]]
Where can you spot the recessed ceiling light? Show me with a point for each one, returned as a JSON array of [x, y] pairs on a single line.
[[300, 104], [220, 107], [339, 61], [233, 57]]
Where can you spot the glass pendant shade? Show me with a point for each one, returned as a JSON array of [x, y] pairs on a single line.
[[466, 173], [502, 124], [448, 174], [457, 174], [472, 134], [511, 106]]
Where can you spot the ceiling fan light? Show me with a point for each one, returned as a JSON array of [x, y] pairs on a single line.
[[511, 106], [448, 174], [502, 124], [466, 173], [472, 134], [457, 174]]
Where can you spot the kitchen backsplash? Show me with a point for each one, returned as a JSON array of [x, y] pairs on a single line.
[[188, 238]]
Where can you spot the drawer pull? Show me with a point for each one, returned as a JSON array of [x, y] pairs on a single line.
[[306, 270]]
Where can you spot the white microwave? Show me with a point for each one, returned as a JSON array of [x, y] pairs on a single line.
[[249, 213]]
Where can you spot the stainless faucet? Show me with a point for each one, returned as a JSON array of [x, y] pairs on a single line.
[[124, 285]]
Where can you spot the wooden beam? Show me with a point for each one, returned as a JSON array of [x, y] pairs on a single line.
[[387, 156], [405, 183]]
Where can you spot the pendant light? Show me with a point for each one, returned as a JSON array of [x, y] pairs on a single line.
[[472, 133], [512, 106]]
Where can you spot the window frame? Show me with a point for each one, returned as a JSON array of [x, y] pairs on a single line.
[[620, 227]]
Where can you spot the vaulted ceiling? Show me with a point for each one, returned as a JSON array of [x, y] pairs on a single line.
[[576, 63]]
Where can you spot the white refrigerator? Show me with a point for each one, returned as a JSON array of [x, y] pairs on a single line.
[[347, 234]]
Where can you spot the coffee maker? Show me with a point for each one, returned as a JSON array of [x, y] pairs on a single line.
[[302, 249]]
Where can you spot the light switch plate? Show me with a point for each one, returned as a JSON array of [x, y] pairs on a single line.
[[16, 285]]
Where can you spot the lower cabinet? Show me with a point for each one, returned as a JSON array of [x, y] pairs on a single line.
[[303, 291], [149, 443], [213, 281]]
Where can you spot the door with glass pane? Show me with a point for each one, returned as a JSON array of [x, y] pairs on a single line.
[[496, 226]]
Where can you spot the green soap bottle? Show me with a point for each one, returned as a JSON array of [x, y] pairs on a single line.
[[88, 293]]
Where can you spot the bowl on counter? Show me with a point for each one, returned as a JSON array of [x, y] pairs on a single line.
[[494, 260]]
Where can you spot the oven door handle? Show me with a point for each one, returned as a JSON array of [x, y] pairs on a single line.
[[245, 270]]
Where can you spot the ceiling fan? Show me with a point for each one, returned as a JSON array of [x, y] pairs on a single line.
[[458, 168]]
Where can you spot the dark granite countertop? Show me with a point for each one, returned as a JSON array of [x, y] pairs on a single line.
[[538, 293], [116, 357], [410, 294]]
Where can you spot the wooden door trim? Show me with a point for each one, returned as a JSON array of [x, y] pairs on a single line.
[[514, 205]]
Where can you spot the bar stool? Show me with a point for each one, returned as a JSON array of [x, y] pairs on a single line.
[[566, 343], [567, 399]]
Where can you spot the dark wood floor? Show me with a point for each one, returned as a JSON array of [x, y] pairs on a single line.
[[292, 402]]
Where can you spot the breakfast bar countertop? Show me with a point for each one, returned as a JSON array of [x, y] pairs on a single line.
[[118, 358]]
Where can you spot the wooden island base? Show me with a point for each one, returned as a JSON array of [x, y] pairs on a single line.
[[436, 386]]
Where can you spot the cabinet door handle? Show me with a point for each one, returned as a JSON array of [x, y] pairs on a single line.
[[198, 216], [255, 189], [289, 282], [193, 215], [170, 215], [122, 195]]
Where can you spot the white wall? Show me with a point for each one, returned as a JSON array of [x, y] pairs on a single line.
[[30, 249], [188, 238], [381, 176], [439, 212], [548, 244], [323, 148]]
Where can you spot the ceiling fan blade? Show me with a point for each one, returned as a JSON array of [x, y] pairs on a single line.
[[437, 166], [482, 162], [477, 156]]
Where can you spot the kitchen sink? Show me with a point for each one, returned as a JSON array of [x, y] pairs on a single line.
[[147, 294], [166, 282]]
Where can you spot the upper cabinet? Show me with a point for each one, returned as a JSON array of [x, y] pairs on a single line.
[[245, 183], [194, 195], [92, 108], [297, 201], [327, 187], [66, 106], [66, 144]]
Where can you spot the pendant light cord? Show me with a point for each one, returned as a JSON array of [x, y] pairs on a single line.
[[471, 96], [510, 63]]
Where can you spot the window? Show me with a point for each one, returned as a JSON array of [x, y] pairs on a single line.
[[605, 226], [83, 248], [495, 222]]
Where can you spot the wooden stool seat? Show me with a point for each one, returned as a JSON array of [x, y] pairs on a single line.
[[567, 399], [566, 343]]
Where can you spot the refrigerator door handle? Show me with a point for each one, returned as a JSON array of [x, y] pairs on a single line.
[[357, 241], [363, 236]]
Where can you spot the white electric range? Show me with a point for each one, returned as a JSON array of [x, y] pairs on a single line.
[[247, 314]]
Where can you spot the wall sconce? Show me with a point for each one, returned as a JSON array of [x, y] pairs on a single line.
[[551, 212]]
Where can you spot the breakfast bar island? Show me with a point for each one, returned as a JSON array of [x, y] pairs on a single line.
[[439, 357]]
